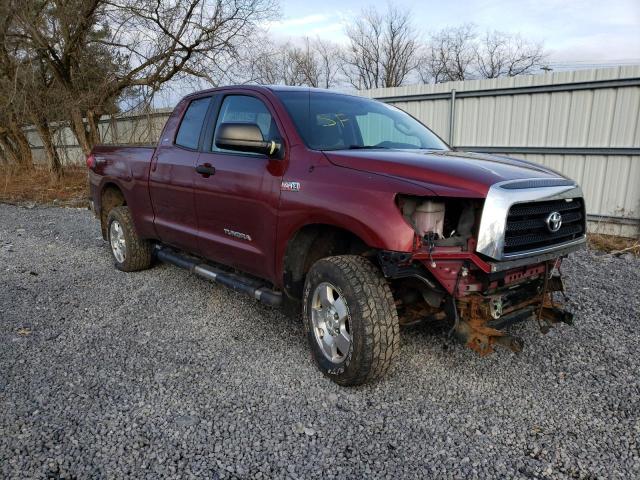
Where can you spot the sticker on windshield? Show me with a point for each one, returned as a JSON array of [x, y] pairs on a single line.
[[290, 186], [331, 119]]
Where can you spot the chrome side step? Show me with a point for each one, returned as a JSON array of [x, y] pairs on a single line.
[[231, 280]]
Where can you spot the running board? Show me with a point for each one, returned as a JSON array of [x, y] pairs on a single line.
[[231, 280]]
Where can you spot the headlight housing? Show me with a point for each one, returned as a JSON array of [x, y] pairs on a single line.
[[441, 220]]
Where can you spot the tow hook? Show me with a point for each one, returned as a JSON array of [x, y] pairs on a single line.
[[495, 307]]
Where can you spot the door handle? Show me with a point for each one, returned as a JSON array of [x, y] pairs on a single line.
[[206, 170]]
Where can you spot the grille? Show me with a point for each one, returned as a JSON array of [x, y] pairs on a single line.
[[527, 226]]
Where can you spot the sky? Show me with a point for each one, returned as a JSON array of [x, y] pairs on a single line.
[[573, 31]]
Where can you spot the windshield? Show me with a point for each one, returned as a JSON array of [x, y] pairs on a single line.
[[329, 121]]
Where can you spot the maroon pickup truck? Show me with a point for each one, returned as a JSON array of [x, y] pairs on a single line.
[[348, 211]]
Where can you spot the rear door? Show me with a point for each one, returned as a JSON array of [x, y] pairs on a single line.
[[172, 176], [237, 206]]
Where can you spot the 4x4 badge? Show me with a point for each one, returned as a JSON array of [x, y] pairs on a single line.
[[290, 186]]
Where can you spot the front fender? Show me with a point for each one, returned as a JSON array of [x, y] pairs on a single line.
[[358, 202]]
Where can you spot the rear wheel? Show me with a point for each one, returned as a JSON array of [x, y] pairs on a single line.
[[350, 319], [129, 251]]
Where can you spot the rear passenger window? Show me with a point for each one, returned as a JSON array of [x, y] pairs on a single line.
[[191, 125]]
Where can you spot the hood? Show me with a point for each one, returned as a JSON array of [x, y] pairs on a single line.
[[445, 173]]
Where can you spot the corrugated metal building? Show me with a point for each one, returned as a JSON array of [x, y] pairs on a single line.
[[585, 124]]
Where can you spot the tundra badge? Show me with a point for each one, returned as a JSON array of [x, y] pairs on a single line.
[[240, 235]]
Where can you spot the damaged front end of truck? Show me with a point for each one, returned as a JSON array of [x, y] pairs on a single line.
[[484, 265]]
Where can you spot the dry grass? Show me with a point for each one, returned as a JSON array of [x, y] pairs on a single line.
[[614, 245], [19, 187]]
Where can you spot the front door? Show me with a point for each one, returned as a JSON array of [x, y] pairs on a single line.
[[237, 204]]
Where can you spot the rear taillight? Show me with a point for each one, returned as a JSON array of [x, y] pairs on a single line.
[[91, 162]]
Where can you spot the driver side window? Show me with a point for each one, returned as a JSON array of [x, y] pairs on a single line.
[[246, 109], [379, 129]]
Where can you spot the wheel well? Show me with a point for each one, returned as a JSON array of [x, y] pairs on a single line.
[[310, 244], [110, 198]]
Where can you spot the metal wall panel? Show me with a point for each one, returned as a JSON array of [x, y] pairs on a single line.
[[129, 129], [562, 112]]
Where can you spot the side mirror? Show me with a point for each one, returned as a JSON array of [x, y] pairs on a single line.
[[245, 137]]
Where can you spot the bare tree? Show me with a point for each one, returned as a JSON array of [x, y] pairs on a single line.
[[327, 58], [275, 64], [34, 100], [382, 49], [34, 96], [315, 63], [450, 55], [42, 108], [13, 141], [500, 54], [144, 43], [458, 53]]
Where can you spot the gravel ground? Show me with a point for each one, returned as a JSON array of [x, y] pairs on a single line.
[[105, 374]]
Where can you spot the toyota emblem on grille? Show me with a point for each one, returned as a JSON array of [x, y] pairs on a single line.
[[554, 221]]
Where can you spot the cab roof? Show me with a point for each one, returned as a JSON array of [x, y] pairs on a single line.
[[273, 88]]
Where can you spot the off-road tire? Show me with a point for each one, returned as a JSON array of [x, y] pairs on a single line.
[[373, 319], [139, 252]]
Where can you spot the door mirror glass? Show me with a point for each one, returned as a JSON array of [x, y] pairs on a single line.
[[244, 137]]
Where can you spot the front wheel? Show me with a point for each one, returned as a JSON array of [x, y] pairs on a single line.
[[350, 319]]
